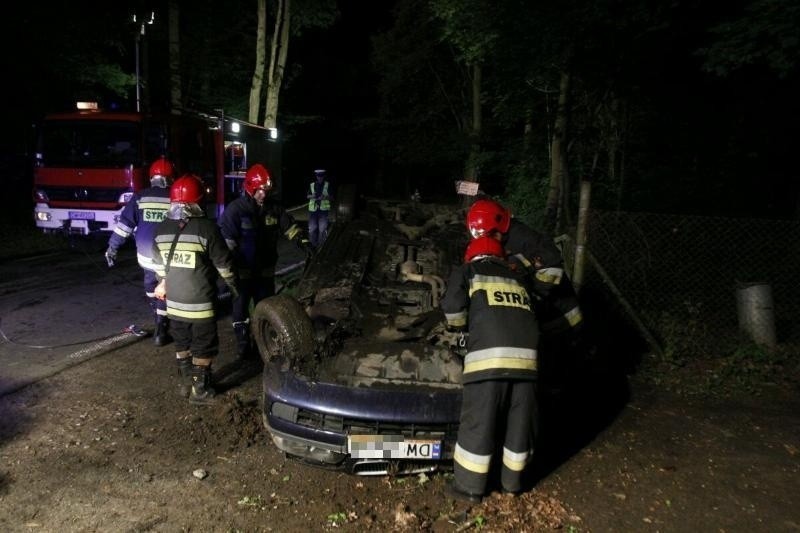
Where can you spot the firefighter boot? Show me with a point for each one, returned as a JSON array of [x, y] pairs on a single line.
[[161, 335], [242, 331], [184, 376], [202, 393]]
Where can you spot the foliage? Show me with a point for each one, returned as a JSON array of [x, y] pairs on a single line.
[[676, 105], [251, 501], [764, 31], [526, 193], [467, 27], [21, 240], [312, 15], [423, 100], [742, 368]]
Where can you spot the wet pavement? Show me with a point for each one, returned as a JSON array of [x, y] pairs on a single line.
[[61, 309]]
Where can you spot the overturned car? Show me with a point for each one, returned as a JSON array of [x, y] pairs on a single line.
[[358, 372]]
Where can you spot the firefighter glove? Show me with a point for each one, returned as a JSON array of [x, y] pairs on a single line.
[[305, 246], [111, 256]]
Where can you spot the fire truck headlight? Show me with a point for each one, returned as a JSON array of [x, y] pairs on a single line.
[[42, 216], [125, 197]]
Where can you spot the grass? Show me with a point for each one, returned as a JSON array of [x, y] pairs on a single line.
[[20, 239]]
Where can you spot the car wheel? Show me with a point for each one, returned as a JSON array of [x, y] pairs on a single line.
[[346, 204], [281, 328]]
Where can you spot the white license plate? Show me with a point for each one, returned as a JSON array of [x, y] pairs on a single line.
[[392, 447], [81, 215]]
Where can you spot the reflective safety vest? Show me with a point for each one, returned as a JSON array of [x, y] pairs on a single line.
[[322, 204]]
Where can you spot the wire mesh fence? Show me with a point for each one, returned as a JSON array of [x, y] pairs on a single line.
[[681, 275]]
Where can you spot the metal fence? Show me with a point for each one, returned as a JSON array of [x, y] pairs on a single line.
[[679, 276]]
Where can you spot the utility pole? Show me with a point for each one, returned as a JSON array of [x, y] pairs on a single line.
[[140, 34]]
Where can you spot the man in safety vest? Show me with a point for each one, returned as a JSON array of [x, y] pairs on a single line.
[[487, 298], [319, 204]]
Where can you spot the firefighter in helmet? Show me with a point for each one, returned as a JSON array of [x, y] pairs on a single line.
[[554, 297], [140, 217], [487, 298], [190, 253], [251, 225]]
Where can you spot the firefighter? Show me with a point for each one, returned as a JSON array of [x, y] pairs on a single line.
[[190, 253], [487, 298], [251, 226], [555, 300], [139, 218], [319, 205]]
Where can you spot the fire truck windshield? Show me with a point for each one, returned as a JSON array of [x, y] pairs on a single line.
[[89, 144]]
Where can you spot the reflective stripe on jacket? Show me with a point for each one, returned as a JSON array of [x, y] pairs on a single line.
[[200, 255], [556, 302], [503, 330], [140, 217], [323, 204]]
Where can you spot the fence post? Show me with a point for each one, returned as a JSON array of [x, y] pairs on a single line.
[[580, 235], [755, 310]]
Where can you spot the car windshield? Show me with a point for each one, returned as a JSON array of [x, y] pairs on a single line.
[[89, 144]]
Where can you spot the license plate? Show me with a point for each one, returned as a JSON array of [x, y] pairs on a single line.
[[81, 215], [392, 447]]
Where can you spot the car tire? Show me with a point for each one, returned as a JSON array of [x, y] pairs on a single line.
[[281, 328], [346, 202]]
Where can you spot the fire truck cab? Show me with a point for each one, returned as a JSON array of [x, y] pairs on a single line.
[[89, 162]]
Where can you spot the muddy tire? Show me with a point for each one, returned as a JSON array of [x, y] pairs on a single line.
[[281, 328]]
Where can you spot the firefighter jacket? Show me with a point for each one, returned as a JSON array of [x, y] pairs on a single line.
[[318, 199], [199, 255], [140, 217], [252, 232], [490, 297], [555, 300]]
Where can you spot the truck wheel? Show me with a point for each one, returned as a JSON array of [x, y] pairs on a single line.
[[281, 328], [346, 203]]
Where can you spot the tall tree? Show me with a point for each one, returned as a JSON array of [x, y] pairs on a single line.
[[467, 27], [174, 44], [290, 19], [277, 61], [261, 54]]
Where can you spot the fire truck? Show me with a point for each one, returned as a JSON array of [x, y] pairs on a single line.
[[88, 163]]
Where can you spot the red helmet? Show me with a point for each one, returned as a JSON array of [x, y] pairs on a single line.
[[257, 177], [162, 167], [188, 189], [486, 216], [481, 246]]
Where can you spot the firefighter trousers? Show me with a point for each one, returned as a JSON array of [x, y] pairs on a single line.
[[494, 413]]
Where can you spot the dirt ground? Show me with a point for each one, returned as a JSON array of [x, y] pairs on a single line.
[[107, 446]]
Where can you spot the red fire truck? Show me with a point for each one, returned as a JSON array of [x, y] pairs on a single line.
[[89, 162]]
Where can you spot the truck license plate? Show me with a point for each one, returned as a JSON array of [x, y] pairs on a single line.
[[392, 447], [81, 215]]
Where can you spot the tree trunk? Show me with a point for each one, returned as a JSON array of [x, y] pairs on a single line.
[[558, 159], [277, 62], [261, 55], [174, 51], [471, 166]]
